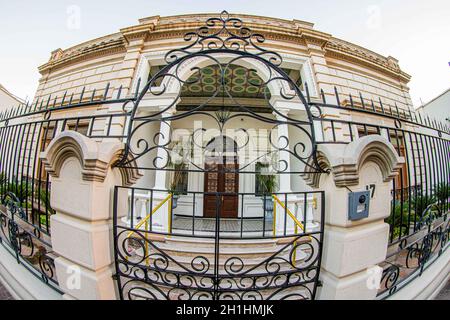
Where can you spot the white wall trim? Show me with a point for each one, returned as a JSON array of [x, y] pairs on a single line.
[[306, 71], [20, 283], [147, 59], [301, 63]]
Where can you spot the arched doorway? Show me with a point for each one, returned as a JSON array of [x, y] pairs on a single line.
[[221, 183], [222, 84]]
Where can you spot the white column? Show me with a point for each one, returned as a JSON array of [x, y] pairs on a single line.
[[282, 220], [284, 156], [81, 227], [160, 220], [162, 156]]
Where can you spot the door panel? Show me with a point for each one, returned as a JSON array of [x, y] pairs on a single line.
[[230, 203], [221, 178], [211, 185]]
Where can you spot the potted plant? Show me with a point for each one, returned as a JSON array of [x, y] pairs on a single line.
[[174, 186], [177, 164], [269, 183]]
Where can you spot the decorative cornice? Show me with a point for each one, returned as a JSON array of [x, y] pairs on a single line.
[[315, 37], [95, 158], [154, 20], [346, 161], [344, 50], [60, 58], [294, 31], [141, 31]]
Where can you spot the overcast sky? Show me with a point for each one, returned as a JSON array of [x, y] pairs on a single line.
[[417, 32]]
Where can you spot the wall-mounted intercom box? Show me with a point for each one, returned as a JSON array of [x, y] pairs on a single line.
[[358, 205]]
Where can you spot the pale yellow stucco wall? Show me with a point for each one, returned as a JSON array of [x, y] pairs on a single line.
[[334, 62]]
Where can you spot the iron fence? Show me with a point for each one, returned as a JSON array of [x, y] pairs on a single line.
[[420, 197], [284, 262], [213, 262], [25, 188], [275, 215], [420, 203]]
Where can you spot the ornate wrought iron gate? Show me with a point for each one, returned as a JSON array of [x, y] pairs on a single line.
[[217, 265], [273, 249]]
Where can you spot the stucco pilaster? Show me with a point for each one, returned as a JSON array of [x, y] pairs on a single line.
[[83, 180], [353, 248], [135, 38]]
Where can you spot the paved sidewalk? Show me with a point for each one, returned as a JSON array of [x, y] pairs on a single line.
[[445, 293], [4, 294]]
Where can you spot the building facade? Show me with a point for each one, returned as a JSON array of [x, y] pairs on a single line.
[[222, 153], [8, 100], [438, 108], [317, 58], [311, 58]]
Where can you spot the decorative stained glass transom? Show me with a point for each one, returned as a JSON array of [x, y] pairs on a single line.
[[239, 82]]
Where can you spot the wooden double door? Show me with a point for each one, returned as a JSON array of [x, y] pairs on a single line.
[[221, 187]]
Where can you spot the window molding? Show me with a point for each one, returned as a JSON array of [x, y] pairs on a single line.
[[291, 61]]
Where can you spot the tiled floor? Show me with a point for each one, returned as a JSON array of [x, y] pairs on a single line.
[[226, 225], [4, 294]]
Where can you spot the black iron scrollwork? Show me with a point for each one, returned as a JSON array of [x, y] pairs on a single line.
[[148, 271], [223, 36], [224, 33], [27, 242], [413, 255]]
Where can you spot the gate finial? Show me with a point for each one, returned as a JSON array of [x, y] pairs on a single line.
[[223, 33]]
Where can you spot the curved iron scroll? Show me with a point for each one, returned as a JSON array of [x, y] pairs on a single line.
[[31, 247], [157, 275], [223, 42], [414, 254], [147, 268]]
